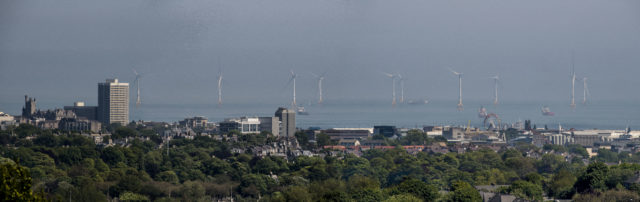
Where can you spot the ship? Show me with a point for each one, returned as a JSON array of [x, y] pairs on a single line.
[[482, 112], [302, 111], [547, 112]]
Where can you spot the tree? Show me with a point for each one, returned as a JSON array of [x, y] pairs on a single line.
[[128, 196], [364, 189], [611, 195], [593, 179], [403, 198], [417, 188], [112, 155], [561, 185], [297, 193], [15, 182], [322, 140], [463, 191], [526, 190]]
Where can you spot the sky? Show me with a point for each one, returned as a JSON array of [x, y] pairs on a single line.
[[57, 51]]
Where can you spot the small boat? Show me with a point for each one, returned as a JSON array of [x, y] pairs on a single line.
[[482, 112], [301, 111], [547, 112]]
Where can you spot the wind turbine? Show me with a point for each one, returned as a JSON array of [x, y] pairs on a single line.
[[137, 81], [393, 92], [219, 87], [320, 79], [459, 74], [401, 80], [293, 78], [586, 90], [573, 83], [495, 96]]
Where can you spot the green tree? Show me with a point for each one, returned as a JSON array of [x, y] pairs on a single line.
[[364, 189], [15, 182], [403, 198], [323, 140], [526, 190], [417, 188], [133, 197], [561, 185], [593, 179], [297, 193], [464, 192], [112, 155]]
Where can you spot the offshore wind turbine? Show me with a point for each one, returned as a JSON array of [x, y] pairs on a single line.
[[293, 78], [137, 81], [401, 80], [585, 92], [320, 79], [495, 96], [573, 83], [393, 86], [219, 87], [459, 74]]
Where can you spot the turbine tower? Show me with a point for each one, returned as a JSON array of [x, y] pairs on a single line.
[[393, 91], [573, 83], [586, 90], [320, 79], [459, 74], [137, 81], [293, 78], [219, 87], [401, 80], [495, 96]]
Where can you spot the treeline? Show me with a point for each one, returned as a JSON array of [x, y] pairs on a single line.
[[66, 167]]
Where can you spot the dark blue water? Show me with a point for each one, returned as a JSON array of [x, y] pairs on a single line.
[[601, 115]]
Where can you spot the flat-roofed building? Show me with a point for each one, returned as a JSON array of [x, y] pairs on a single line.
[[349, 133], [287, 120], [82, 111], [251, 125], [113, 102], [74, 124], [194, 122], [269, 124]]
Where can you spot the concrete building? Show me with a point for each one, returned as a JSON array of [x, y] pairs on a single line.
[[251, 125], [269, 124], [81, 111], [194, 122], [453, 134], [113, 102], [287, 120], [387, 131], [560, 139], [74, 124], [349, 133], [6, 120]]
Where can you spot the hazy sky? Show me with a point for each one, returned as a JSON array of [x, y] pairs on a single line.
[[59, 50]]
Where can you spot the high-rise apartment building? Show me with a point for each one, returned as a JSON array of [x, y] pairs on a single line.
[[113, 102], [287, 122]]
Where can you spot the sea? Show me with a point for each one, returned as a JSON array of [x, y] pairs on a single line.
[[364, 114]]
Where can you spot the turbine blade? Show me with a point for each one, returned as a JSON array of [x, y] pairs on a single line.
[[454, 72], [387, 74]]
